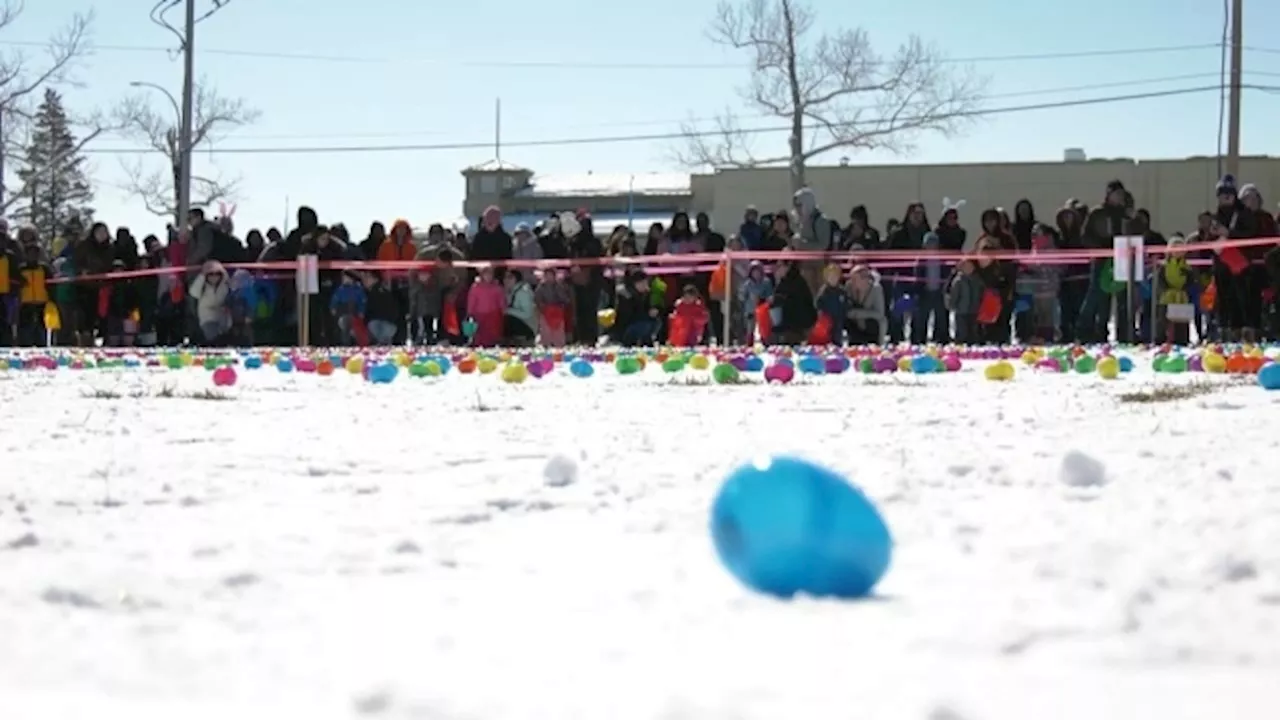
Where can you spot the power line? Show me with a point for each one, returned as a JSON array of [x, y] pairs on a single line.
[[572, 64], [698, 120], [616, 139]]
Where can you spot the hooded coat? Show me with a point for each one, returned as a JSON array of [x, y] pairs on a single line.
[[814, 231]]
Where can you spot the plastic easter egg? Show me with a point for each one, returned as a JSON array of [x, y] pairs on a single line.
[[324, 368], [1269, 376], [952, 363], [1085, 364], [581, 369], [1126, 364], [812, 365], [1000, 370], [779, 373], [725, 373], [1109, 368], [627, 365], [355, 365], [486, 365], [672, 365], [383, 373], [1214, 363], [699, 362], [753, 364], [284, 365], [514, 373], [224, 377], [784, 525]]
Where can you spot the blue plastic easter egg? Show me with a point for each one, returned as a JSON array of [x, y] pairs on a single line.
[[284, 365], [924, 364], [754, 364], [812, 365], [784, 526], [253, 362], [1269, 376], [443, 362], [1126, 364], [581, 369], [383, 373]]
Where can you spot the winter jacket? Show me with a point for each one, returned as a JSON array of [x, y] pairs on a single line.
[[964, 297], [348, 299], [211, 298], [521, 305]]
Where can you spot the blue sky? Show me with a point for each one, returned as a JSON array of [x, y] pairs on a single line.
[[419, 73]]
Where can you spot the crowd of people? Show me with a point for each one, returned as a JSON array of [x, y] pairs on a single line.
[[204, 285]]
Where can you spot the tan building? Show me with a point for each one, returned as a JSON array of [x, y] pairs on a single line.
[[1173, 191]]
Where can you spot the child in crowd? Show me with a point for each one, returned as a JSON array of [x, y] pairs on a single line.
[[381, 309], [997, 292], [1043, 282], [689, 318], [833, 303], [241, 304], [33, 298], [64, 294], [867, 318], [964, 298], [347, 303], [1175, 313], [554, 300], [930, 301], [637, 319], [210, 290], [521, 321], [121, 308], [756, 289], [486, 306]]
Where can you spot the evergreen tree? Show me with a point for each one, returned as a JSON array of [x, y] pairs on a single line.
[[55, 184]]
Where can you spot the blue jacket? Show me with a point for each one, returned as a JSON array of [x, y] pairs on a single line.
[[348, 299], [833, 302]]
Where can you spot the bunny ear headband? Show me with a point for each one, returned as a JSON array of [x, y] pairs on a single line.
[[948, 205], [226, 211]]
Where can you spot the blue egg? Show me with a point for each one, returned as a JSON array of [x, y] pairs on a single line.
[[812, 365], [755, 364], [1126, 365], [383, 373], [444, 363], [1269, 376], [785, 526], [924, 364], [253, 362], [284, 365], [581, 369]]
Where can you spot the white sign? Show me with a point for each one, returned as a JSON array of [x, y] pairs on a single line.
[[308, 275], [1128, 256]]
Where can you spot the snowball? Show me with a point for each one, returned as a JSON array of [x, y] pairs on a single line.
[[1080, 470], [560, 471]]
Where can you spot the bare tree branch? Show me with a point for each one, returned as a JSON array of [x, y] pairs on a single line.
[[20, 76], [87, 129], [833, 90], [214, 116]]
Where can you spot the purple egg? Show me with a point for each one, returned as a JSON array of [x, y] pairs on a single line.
[[1195, 364], [835, 365], [885, 365], [739, 363]]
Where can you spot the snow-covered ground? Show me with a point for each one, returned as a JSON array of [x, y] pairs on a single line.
[[460, 548]]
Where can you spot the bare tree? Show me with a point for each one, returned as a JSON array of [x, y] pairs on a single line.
[[833, 90], [214, 117], [21, 78]]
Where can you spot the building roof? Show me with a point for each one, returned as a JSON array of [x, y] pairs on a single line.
[[607, 184], [495, 165]]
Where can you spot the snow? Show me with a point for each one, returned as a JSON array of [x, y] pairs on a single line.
[[607, 184], [460, 548]]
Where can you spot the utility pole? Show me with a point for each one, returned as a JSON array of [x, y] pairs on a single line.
[[2, 149], [1237, 60], [184, 133]]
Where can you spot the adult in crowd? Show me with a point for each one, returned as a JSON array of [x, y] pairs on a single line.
[[815, 233], [492, 242]]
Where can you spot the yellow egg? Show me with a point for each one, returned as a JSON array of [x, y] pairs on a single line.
[[904, 364], [699, 362], [1002, 370], [486, 365], [514, 373], [1030, 357], [1109, 368], [1213, 362], [355, 365]]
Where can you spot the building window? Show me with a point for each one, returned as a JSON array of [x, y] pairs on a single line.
[[508, 182], [488, 184], [473, 186]]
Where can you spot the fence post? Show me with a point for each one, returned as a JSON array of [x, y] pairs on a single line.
[[727, 302]]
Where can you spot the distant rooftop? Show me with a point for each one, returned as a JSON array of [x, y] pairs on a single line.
[[607, 184], [494, 166]]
